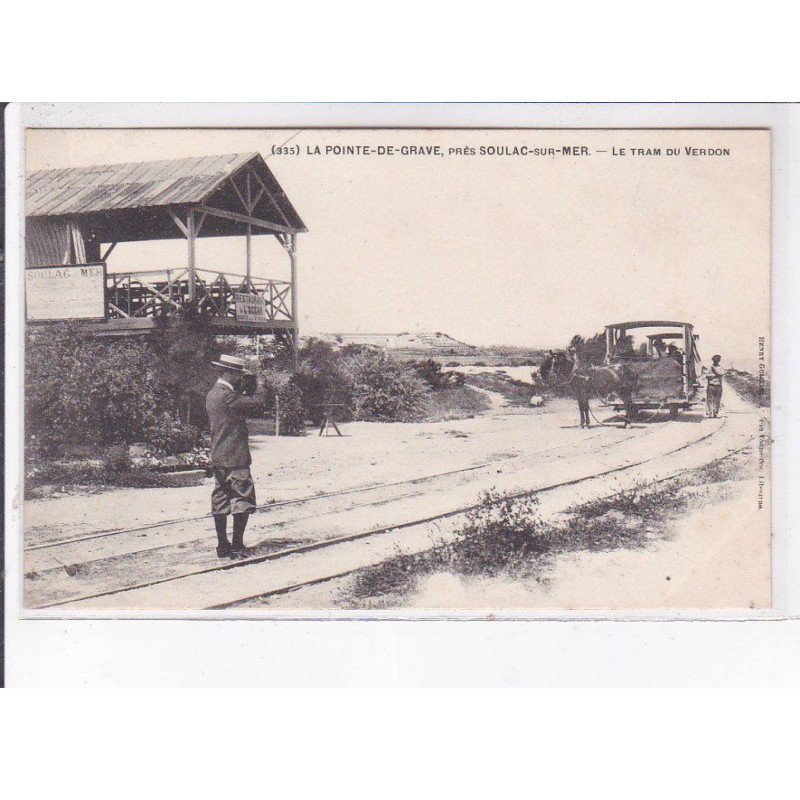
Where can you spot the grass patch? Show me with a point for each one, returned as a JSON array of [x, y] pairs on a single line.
[[516, 392], [749, 386], [80, 477], [454, 402], [644, 502], [99, 469], [505, 537], [148, 479]]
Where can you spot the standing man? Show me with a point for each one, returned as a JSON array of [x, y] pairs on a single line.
[[580, 386], [234, 493], [714, 386]]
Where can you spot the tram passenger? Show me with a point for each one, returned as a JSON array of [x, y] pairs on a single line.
[[625, 347], [676, 353], [234, 493], [659, 347]]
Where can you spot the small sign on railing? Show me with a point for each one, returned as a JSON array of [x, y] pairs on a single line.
[[250, 307]]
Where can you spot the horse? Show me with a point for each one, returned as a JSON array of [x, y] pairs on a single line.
[[585, 380]]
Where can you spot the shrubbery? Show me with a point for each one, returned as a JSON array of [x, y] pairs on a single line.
[[182, 349], [282, 384], [434, 376], [366, 384], [171, 436], [81, 390], [753, 388], [324, 376], [592, 349], [292, 413], [383, 388], [86, 393]]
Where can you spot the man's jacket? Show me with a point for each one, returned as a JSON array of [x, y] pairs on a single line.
[[227, 412]]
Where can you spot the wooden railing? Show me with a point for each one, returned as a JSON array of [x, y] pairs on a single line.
[[138, 295]]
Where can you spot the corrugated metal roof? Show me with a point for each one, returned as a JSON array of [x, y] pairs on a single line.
[[137, 185]]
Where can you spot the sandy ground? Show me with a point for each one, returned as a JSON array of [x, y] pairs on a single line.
[[523, 374], [716, 556], [416, 469], [290, 467], [713, 557]]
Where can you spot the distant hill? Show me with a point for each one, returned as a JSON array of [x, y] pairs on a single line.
[[428, 344]]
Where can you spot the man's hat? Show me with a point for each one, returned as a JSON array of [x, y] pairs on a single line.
[[230, 362]]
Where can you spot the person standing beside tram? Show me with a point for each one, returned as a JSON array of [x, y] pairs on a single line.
[[580, 386], [713, 376]]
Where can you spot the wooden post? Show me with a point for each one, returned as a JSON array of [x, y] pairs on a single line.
[[190, 238], [295, 313], [249, 206], [248, 257], [277, 415], [687, 354]]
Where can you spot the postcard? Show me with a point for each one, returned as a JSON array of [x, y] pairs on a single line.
[[396, 370]]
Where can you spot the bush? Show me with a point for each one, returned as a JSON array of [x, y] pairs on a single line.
[[323, 377], [752, 388], [182, 349], [499, 536], [432, 374], [592, 350], [81, 390], [283, 385], [116, 459], [63, 473], [455, 402], [365, 382], [171, 436], [292, 412], [84, 393], [384, 389], [502, 536]]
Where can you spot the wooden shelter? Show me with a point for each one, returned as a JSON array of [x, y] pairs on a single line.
[[77, 216]]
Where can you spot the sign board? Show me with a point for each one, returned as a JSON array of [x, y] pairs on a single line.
[[250, 307], [65, 292]]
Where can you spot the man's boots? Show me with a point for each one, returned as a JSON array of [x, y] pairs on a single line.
[[238, 550], [223, 545]]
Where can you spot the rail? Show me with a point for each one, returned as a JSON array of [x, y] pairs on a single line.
[[153, 293]]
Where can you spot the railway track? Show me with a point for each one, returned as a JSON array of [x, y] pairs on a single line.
[[309, 500], [329, 578], [298, 501], [285, 555]]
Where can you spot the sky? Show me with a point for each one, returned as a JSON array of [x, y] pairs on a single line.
[[491, 249]]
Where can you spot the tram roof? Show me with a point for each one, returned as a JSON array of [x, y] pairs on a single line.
[[650, 324]]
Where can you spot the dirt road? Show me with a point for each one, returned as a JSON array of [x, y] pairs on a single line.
[[82, 551]]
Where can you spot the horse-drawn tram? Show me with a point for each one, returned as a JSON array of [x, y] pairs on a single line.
[[663, 360]]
